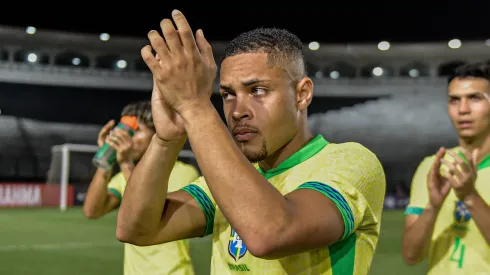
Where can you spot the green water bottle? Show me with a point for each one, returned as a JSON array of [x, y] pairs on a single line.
[[105, 157]]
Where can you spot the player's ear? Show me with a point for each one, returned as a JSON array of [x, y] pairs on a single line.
[[304, 93]]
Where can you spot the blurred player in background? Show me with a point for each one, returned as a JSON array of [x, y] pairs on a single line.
[[448, 218], [277, 199], [105, 194]]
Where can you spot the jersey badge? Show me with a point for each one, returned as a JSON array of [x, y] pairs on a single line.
[[236, 248]]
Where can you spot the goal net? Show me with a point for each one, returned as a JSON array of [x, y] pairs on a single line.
[[71, 164]]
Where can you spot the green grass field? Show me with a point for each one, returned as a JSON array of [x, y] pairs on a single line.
[[48, 242]]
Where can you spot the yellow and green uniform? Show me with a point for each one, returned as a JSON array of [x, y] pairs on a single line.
[[168, 258], [457, 246], [348, 174]]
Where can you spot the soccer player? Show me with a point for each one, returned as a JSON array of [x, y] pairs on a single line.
[[277, 199], [105, 194], [448, 218]]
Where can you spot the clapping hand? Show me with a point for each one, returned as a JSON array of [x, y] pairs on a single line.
[[186, 70], [437, 184], [461, 172]]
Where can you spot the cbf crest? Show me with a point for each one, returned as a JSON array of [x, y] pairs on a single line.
[[236, 247], [461, 213]]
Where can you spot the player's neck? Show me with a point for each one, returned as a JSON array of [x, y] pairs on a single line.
[[482, 144], [299, 141]]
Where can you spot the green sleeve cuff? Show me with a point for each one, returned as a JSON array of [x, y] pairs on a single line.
[[339, 201], [414, 211], [116, 193], [205, 203]]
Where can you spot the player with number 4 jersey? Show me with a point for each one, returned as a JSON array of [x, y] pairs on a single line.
[[448, 218], [457, 244]]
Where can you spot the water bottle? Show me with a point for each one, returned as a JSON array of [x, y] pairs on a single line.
[[105, 157]]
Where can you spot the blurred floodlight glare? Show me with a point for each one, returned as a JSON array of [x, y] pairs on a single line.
[[454, 44], [32, 57], [378, 71], [76, 61], [414, 73], [314, 46], [121, 64], [105, 36], [334, 75], [30, 30], [384, 45]]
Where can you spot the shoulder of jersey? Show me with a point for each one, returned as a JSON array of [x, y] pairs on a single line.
[[347, 147], [119, 174], [182, 165]]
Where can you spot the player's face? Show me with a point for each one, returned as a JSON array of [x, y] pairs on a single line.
[[141, 141], [259, 104], [469, 107]]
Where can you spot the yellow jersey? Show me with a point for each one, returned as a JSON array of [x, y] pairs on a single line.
[[457, 246], [348, 174], [168, 258]]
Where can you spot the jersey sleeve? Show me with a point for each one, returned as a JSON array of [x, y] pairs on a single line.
[[419, 195], [200, 192], [182, 175], [355, 181], [191, 174], [116, 185]]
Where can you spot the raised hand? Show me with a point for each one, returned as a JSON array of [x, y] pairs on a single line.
[[104, 132], [437, 184], [461, 173], [168, 123], [185, 76], [122, 142]]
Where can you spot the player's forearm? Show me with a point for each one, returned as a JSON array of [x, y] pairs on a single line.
[[480, 212], [96, 198], [254, 208], [144, 198], [417, 236], [127, 169]]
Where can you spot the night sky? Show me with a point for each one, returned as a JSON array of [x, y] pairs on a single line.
[[325, 21]]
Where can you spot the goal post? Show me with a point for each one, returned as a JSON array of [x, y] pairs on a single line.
[[77, 157], [65, 150]]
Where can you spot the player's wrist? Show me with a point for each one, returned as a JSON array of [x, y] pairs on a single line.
[[126, 164], [168, 143], [195, 109], [104, 173], [433, 209], [469, 200]]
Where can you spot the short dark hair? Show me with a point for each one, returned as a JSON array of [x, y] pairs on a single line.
[[280, 45], [142, 111], [476, 70]]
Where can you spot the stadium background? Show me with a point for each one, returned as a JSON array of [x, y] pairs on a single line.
[[379, 76]]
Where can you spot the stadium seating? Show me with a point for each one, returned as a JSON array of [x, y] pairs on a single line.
[[401, 129], [26, 145]]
